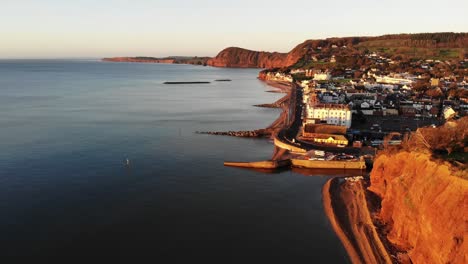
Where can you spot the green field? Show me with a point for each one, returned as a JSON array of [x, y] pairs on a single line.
[[400, 47]]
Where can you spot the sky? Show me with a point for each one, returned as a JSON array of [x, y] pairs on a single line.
[[105, 28]]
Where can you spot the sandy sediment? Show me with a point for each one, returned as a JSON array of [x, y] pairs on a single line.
[[347, 209]]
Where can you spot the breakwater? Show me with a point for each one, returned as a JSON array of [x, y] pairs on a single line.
[[247, 133], [307, 164], [186, 82], [283, 101], [329, 164], [267, 164]]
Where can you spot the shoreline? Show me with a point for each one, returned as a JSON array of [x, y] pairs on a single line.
[[346, 206], [270, 130], [346, 203], [283, 87]]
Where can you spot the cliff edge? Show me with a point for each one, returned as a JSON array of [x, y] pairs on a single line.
[[424, 205], [242, 58]]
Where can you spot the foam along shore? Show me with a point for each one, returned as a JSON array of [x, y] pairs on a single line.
[[345, 204]]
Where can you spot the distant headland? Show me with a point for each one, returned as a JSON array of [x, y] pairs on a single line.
[[167, 60], [442, 46]]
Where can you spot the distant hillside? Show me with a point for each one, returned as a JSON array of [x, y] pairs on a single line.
[[444, 46], [169, 60], [437, 46]]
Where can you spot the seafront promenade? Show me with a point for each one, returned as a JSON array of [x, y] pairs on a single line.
[[287, 138], [289, 150]]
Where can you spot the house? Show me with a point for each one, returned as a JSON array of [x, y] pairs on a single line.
[[407, 110], [328, 139], [365, 105], [448, 112], [322, 76], [333, 114], [330, 97]]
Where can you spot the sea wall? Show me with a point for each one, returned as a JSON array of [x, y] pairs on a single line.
[[329, 164], [423, 206], [281, 144]]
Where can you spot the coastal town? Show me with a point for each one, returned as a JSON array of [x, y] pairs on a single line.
[[386, 119], [339, 112], [393, 121], [366, 106]]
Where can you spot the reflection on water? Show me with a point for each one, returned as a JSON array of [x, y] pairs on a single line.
[[69, 126]]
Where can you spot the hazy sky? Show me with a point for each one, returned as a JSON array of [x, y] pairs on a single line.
[[98, 28]]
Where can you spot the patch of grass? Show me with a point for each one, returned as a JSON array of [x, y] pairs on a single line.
[[457, 156], [390, 48], [341, 80]]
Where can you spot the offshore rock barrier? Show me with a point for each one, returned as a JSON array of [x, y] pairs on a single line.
[[278, 104], [251, 133], [268, 105], [196, 82]]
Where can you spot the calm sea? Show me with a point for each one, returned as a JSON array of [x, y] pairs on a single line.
[[68, 126]]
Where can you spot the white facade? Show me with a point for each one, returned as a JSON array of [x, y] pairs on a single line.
[[448, 112], [339, 115], [279, 76], [330, 98], [322, 76], [392, 80]]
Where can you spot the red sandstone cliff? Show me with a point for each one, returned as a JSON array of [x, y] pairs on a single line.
[[424, 206], [238, 57], [243, 58]]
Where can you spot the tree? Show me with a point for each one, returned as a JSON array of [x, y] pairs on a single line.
[[420, 86], [357, 74], [436, 92]]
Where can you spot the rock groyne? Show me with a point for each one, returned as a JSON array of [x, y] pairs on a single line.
[[247, 133]]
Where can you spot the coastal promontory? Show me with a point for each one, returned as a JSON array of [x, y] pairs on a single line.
[[244, 58]]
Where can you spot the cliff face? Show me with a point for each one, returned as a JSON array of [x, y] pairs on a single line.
[[243, 58], [423, 206]]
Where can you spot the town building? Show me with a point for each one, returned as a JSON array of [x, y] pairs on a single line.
[[329, 139], [333, 114], [325, 76], [434, 82]]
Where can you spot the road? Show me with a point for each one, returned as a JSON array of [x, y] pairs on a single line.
[[288, 134]]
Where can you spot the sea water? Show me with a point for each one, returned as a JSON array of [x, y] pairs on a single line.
[[102, 158]]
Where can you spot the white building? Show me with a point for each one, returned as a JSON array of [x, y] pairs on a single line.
[[333, 114], [402, 79], [330, 98], [448, 112], [322, 76]]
